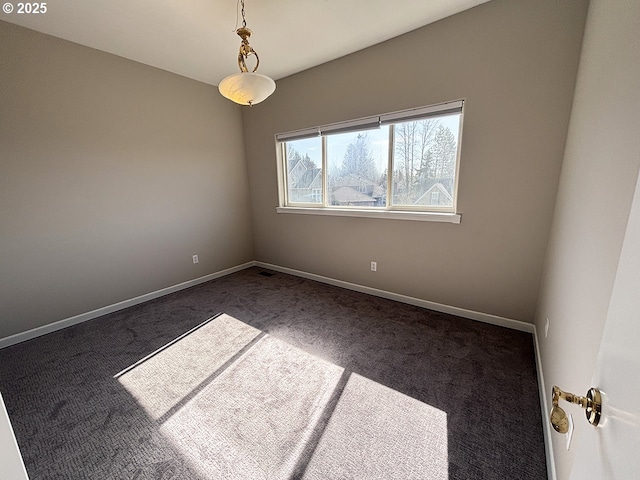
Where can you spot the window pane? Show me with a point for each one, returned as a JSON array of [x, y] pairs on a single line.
[[304, 170], [357, 168], [424, 161]]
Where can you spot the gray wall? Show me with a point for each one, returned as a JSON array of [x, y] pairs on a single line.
[[112, 174], [596, 189], [515, 64]]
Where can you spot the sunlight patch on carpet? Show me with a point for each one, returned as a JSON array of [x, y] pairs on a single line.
[[376, 432], [237, 403], [169, 375], [256, 418]]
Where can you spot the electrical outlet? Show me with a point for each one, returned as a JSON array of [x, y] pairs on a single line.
[[195, 259], [374, 266], [546, 328]]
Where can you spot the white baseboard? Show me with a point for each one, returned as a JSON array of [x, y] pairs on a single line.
[[544, 406], [438, 307], [83, 317]]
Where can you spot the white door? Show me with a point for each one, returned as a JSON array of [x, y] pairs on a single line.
[[11, 466], [612, 450]]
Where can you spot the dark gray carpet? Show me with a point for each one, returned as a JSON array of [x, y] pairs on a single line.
[[74, 420]]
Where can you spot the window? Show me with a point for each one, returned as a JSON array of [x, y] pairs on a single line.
[[403, 162]]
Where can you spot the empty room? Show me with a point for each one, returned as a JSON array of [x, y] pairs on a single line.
[[319, 239]]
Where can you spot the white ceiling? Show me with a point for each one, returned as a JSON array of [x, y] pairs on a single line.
[[196, 38]]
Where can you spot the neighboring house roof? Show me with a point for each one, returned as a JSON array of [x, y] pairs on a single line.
[[425, 198], [292, 162], [307, 178], [446, 183], [350, 195]]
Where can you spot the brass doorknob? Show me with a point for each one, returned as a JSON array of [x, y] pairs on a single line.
[[592, 404]]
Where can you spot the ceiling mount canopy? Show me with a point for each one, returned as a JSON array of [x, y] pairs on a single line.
[[246, 88]]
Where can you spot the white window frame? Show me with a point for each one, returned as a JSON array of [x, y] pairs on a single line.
[[399, 212]]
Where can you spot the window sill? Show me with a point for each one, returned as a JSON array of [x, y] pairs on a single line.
[[388, 214]]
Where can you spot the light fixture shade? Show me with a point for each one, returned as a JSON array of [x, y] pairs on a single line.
[[247, 88]]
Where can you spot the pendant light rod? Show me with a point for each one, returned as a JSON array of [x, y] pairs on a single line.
[[244, 21], [246, 88], [245, 48]]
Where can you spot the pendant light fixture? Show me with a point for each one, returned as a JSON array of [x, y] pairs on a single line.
[[246, 88]]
